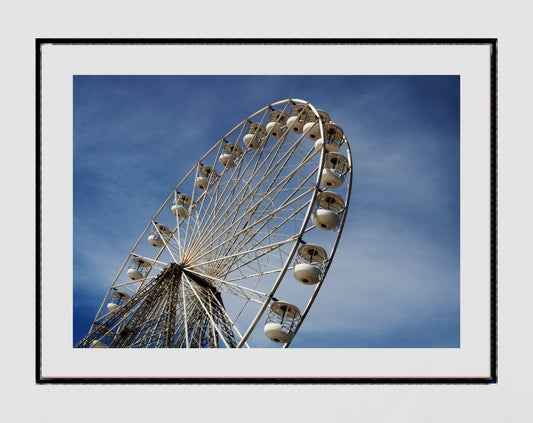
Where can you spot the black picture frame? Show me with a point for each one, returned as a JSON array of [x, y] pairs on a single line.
[[492, 42]]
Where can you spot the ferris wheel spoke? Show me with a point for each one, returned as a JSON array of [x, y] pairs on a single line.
[[258, 242], [268, 192], [257, 274], [235, 289], [262, 218], [282, 165], [255, 267], [247, 230], [228, 260], [253, 191], [175, 249], [240, 253], [272, 165], [274, 192], [170, 247], [205, 193]]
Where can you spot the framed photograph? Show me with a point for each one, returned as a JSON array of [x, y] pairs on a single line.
[[302, 210]]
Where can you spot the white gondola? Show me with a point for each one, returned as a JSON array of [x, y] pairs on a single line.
[[252, 139], [299, 115], [120, 298], [279, 116], [311, 259], [306, 273], [226, 160], [98, 344], [257, 129], [179, 211], [202, 182], [333, 135], [234, 149], [208, 171], [328, 212], [303, 111], [121, 295], [231, 152], [323, 116], [184, 199], [156, 238], [295, 124], [274, 129], [112, 307], [207, 175], [334, 171], [333, 132], [312, 130], [281, 322], [278, 120], [330, 201], [331, 146], [179, 208], [136, 269], [325, 219]]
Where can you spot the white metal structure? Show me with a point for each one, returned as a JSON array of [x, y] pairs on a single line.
[[230, 236]]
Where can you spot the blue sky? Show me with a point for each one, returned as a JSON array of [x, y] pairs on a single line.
[[394, 281]]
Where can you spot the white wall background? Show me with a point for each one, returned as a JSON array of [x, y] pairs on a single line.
[[21, 23]]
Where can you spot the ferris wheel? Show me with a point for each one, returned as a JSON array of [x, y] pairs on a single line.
[[241, 247]]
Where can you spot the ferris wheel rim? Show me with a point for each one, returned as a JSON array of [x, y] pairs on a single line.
[[296, 238]]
